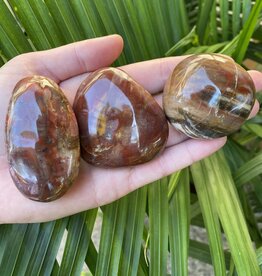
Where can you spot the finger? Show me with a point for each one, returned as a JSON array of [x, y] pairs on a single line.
[[254, 110], [58, 64], [257, 79], [16, 208], [175, 137], [173, 159], [121, 181], [91, 190], [151, 74], [77, 58]]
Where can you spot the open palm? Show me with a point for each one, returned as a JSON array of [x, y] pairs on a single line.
[[68, 66]]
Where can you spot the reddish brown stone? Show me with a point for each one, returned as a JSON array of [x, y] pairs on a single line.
[[208, 96], [120, 123], [42, 139]]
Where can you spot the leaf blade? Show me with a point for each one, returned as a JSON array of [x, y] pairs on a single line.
[[247, 32], [12, 248], [77, 242], [114, 218], [134, 232], [248, 170], [158, 222], [179, 208], [225, 198], [210, 216], [31, 23], [12, 39]]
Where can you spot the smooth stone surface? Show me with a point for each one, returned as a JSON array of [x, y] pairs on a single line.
[[120, 123], [208, 96], [42, 139]]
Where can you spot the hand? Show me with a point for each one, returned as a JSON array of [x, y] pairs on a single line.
[[68, 66]]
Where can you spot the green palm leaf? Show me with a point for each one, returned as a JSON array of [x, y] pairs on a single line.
[[224, 199], [249, 170], [13, 246], [209, 212], [112, 233], [79, 232], [179, 224], [133, 232], [155, 219], [158, 226], [12, 38]]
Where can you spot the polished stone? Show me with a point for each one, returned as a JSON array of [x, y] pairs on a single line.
[[120, 123], [42, 139], [208, 96]]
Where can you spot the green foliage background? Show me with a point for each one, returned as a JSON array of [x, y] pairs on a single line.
[[141, 231]]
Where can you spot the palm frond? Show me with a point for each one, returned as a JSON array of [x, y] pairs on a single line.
[[154, 220]]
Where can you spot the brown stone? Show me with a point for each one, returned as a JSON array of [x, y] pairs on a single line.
[[120, 123], [42, 139], [208, 96]]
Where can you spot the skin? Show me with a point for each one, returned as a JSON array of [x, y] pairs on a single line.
[[68, 66]]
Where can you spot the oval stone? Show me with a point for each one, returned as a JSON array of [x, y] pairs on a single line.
[[120, 123], [42, 139], [208, 96]]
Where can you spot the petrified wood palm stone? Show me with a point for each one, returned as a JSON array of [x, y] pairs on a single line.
[[120, 123], [42, 139], [208, 96]]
